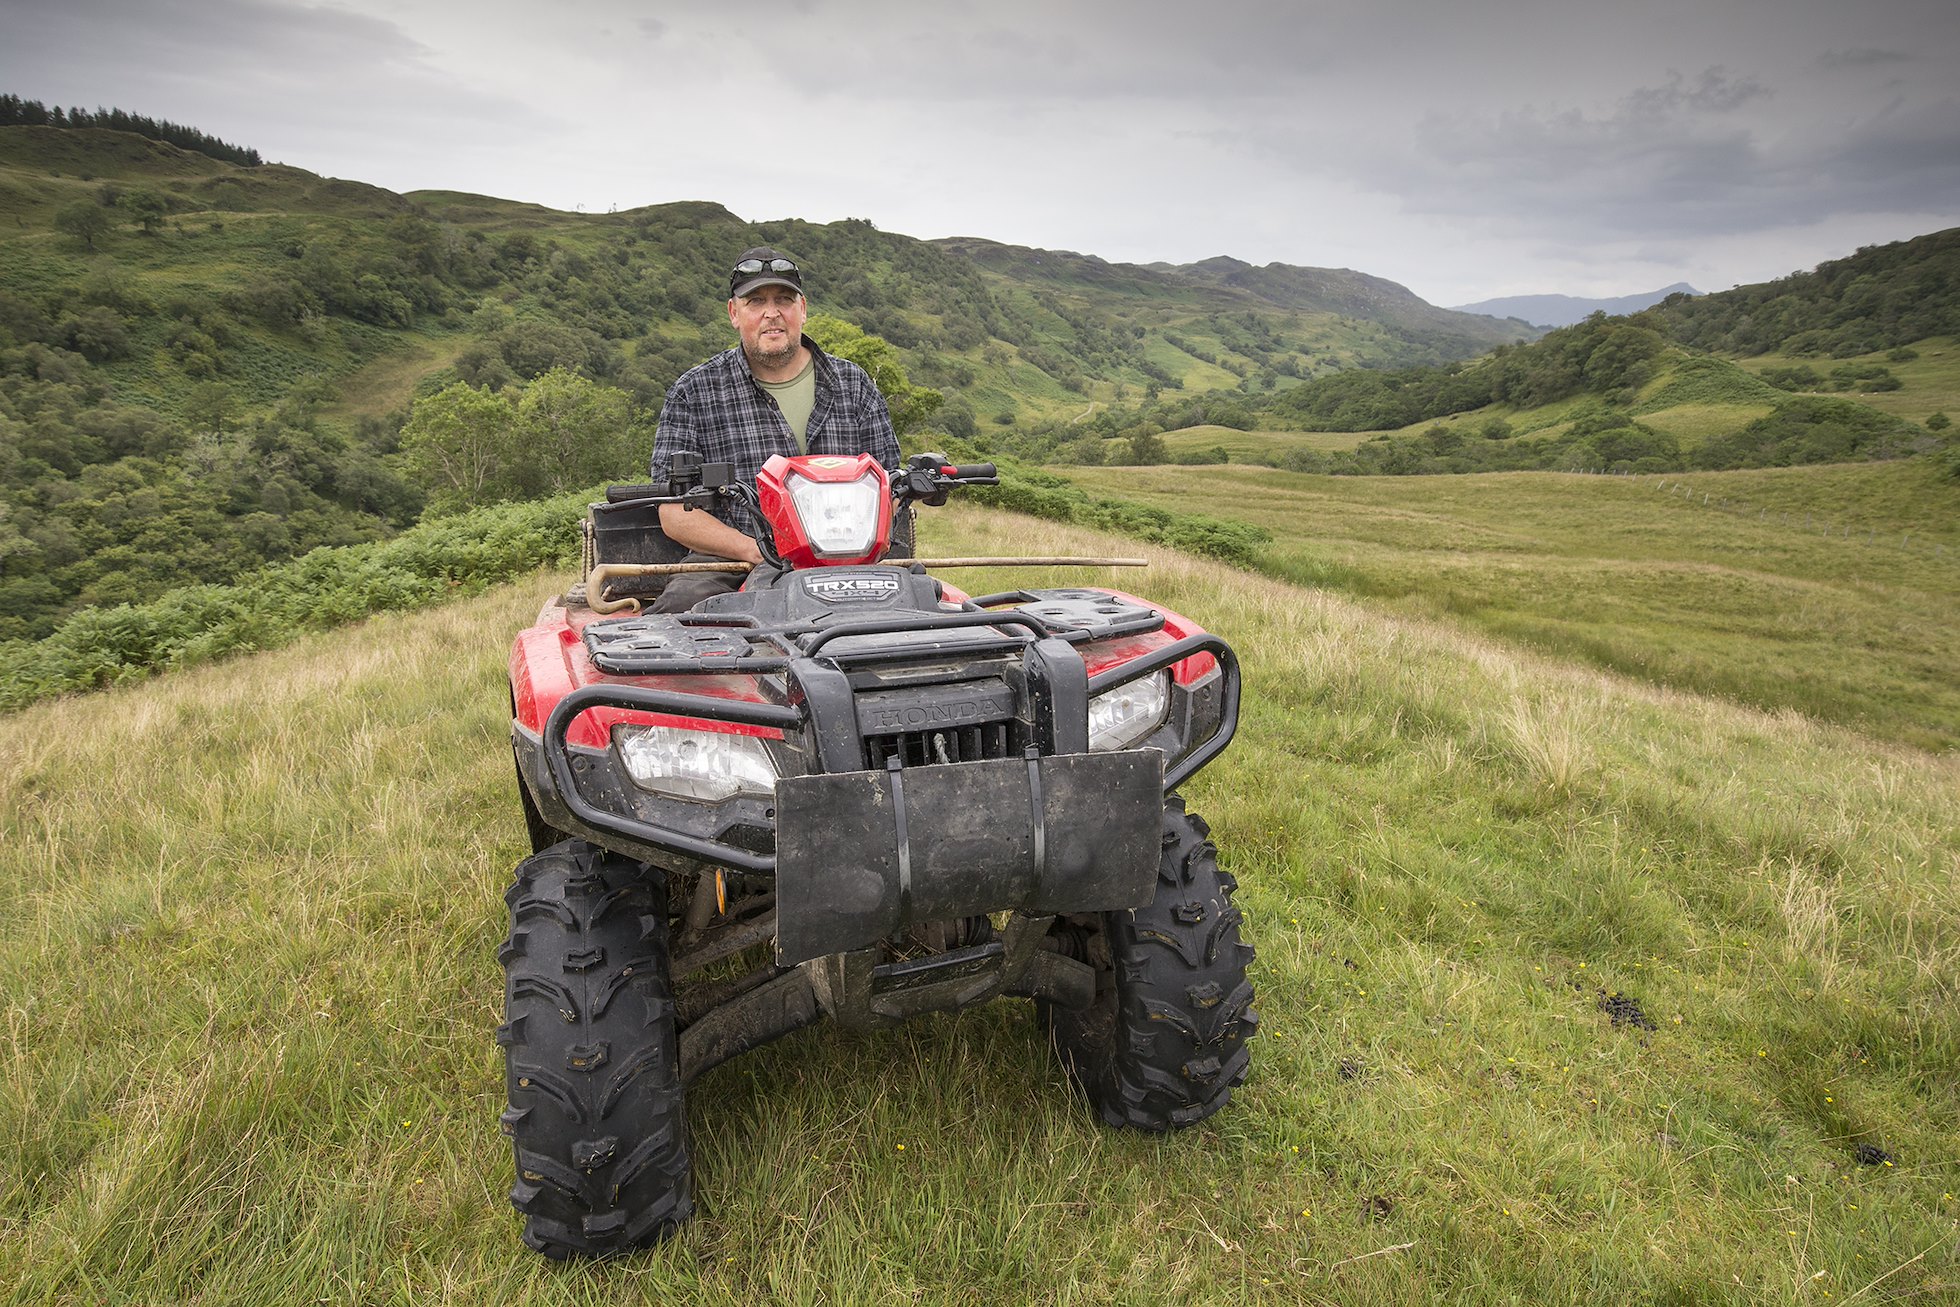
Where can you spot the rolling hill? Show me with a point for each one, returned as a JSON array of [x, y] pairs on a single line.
[[205, 366]]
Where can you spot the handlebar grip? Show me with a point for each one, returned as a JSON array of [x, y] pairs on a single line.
[[969, 471], [621, 494]]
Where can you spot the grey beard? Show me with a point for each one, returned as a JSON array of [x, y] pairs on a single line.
[[787, 352]]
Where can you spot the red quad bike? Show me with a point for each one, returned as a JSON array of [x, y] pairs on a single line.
[[846, 790]]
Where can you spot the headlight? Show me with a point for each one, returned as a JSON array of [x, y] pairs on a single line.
[[1119, 718], [705, 765], [839, 517]]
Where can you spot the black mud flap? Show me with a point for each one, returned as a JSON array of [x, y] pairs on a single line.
[[860, 855]]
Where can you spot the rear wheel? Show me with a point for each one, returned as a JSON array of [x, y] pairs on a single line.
[[1165, 1041], [591, 1059]]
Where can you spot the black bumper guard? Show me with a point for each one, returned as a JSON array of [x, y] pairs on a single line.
[[558, 764], [1158, 659]]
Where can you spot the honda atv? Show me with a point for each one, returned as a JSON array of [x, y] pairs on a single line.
[[846, 790]]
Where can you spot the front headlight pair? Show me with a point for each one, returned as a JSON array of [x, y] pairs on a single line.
[[710, 766]]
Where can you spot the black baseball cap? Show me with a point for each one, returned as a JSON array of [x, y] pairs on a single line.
[[762, 266]]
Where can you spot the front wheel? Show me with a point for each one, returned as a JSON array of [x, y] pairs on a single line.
[[591, 1058], [1165, 1041]]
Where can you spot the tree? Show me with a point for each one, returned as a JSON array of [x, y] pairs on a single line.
[[471, 446], [460, 443], [909, 404], [97, 333], [572, 432], [145, 208], [85, 220], [208, 406]]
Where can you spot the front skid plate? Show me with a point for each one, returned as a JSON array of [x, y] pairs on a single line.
[[860, 855]]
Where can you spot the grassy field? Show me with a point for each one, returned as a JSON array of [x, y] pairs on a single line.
[[1833, 591], [1575, 990], [1690, 397], [1256, 446], [1929, 384]]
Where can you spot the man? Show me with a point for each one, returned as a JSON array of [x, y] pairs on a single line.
[[774, 393]]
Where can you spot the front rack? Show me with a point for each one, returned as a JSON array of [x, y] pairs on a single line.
[[813, 667]]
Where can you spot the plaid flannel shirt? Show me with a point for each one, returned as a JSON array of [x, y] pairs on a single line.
[[718, 411]]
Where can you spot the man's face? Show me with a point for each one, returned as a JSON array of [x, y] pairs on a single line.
[[770, 321]]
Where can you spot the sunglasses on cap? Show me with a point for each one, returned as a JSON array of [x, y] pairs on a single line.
[[749, 267]]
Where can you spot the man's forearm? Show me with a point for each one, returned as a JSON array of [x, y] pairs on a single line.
[[704, 533]]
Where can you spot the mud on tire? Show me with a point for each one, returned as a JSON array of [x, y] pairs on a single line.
[[590, 1055], [1165, 1042]]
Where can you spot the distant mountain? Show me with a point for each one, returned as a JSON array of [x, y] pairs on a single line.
[[1367, 321], [1340, 292], [1347, 293], [1564, 310]]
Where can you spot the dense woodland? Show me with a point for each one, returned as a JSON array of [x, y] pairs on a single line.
[[195, 356], [1882, 297]]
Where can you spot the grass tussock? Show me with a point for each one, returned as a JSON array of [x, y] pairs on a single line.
[[1575, 989]]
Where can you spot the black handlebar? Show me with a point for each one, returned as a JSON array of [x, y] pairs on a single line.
[[970, 472]]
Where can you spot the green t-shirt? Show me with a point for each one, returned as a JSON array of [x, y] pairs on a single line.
[[796, 398]]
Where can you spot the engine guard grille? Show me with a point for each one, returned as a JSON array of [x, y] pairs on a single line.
[[984, 742]]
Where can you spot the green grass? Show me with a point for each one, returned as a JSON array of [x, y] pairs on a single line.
[[387, 384], [249, 984], [1690, 424], [1830, 591], [1195, 373]]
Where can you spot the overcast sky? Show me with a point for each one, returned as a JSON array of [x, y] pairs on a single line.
[[1464, 149]]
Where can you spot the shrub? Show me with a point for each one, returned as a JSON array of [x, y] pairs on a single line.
[[438, 560]]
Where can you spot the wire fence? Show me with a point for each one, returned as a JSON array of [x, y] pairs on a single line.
[[1921, 542]]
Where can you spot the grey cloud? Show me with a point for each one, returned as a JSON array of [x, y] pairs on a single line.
[[214, 35], [285, 79], [1908, 158], [1713, 91], [1039, 52], [1677, 160]]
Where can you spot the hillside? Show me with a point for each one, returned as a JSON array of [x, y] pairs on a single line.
[[1573, 990], [1883, 297], [1609, 394], [1851, 361]]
